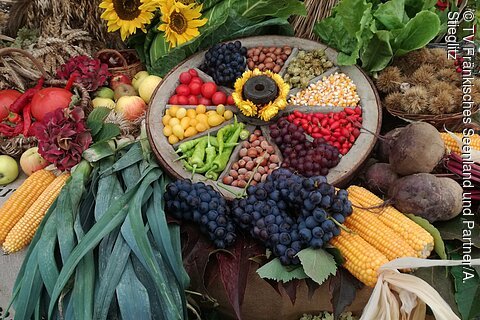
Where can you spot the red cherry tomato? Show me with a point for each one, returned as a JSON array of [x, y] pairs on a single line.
[[219, 98], [193, 100], [173, 99], [185, 77], [182, 100], [193, 72], [195, 88], [208, 89], [183, 90], [197, 80], [205, 101], [230, 100], [7, 97]]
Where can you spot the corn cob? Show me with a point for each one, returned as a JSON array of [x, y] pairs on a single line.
[[361, 258], [452, 145], [418, 238], [375, 232], [18, 203], [22, 233]]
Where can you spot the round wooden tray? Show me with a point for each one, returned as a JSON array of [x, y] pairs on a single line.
[[338, 176]]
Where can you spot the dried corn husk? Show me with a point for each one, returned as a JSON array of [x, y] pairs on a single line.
[[404, 296]]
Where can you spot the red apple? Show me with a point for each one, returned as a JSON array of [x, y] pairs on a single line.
[[132, 107], [123, 90], [119, 79]]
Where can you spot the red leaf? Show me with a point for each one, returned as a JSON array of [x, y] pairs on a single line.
[[343, 288], [291, 289], [234, 269]]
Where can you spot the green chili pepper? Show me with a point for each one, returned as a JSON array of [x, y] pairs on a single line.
[[221, 136], [211, 154], [221, 160]]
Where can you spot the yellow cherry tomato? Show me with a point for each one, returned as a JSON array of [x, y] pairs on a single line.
[[173, 110], [173, 122], [185, 123], [166, 118], [202, 118], [181, 113], [173, 139], [201, 108], [220, 109], [190, 132], [215, 119], [193, 122], [191, 113], [167, 131], [228, 114], [201, 127], [178, 131]]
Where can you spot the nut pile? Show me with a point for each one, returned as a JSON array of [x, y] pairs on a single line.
[[268, 58], [254, 151], [336, 90], [306, 66]]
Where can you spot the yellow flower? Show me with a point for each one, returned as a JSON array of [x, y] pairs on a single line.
[[180, 21], [265, 112], [128, 15]]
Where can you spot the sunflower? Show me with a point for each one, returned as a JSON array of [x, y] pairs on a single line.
[[265, 111], [128, 15], [180, 21]]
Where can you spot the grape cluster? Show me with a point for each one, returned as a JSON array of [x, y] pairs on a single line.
[[204, 206], [288, 212], [225, 62], [308, 158]]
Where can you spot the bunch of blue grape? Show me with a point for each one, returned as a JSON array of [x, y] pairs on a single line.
[[225, 62], [289, 212], [309, 158], [204, 206]]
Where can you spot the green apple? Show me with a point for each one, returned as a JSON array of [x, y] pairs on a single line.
[[103, 102], [148, 86], [104, 92], [138, 78], [8, 169]]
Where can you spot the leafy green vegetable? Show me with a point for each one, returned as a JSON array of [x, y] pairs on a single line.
[[417, 33], [375, 32], [317, 264], [276, 271], [437, 238]]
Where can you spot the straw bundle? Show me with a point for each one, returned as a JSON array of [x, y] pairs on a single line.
[[316, 11]]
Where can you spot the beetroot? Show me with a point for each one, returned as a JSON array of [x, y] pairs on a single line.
[[380, 177]]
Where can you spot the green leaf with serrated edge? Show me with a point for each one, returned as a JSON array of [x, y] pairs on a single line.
[[109, 221], [317, 264], [437, 238], [132, 296], [108, 131], [275, 270]]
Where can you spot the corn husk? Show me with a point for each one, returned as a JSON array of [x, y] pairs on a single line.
[[403, 296]]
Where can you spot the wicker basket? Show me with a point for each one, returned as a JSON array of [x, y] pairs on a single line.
[[450, 121], [15, 146], [128, 69]]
